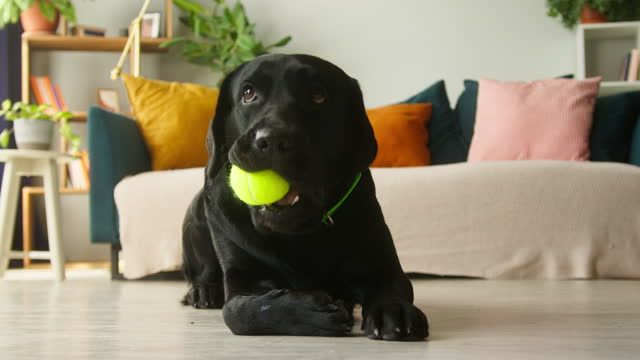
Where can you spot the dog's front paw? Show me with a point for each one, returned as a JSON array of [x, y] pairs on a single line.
[[396, 321], [205, 296], [322, 315]]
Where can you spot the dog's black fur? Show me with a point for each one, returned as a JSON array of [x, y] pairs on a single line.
[[279, 270]]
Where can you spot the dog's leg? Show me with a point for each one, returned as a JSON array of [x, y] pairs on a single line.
[[385, 292], [288, 312], [254, 309], [200, 263], [389, 314]]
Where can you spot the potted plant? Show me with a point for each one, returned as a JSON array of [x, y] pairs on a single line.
[[33, 126], [36, 15], [222, 37], [592, 11]]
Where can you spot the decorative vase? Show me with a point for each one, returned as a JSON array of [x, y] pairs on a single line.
[[33, 21], [589, 15], [33, 134]]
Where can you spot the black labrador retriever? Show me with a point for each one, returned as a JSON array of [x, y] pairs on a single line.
[[298, 266]]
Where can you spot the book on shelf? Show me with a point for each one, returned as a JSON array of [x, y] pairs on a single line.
[[630, 66], [62, 105], [78, 171], [85, 30], [84, 155], [46, 92], [43, 91], [632, 74]]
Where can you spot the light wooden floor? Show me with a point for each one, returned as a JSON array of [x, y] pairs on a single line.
[[470, 319]]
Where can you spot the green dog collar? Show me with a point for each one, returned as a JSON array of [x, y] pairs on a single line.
[[327, 219]]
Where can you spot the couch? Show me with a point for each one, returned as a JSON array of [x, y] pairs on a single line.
[[508, 219]]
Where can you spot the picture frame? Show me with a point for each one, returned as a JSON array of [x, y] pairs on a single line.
[[108, 99], [150, 27]]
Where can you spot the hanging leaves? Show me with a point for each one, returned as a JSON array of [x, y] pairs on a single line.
[[222, 37]]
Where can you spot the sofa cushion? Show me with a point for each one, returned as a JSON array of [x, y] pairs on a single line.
[[116, 150], [634, 158], [613, 122], [401, 133], [546, 119], [466, 109], [515, 219], [151, 208], [446, 143], [564, 226], [467, 104], [174, 119]]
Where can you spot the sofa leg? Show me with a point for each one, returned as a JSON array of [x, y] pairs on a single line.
[[115, 260]]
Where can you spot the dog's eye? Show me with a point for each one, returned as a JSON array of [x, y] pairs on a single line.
[[248, 94], [318, 96]]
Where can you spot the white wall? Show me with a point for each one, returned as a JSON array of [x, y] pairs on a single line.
[[394, 48]]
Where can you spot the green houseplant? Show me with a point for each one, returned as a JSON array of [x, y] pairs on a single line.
[[34, 12], [571, 11], [33, 125], [222, 36]]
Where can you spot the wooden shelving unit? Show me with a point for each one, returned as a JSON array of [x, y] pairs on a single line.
[[601, 48], [52, 42]]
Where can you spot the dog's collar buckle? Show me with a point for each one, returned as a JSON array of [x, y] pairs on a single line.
[[327, 218]]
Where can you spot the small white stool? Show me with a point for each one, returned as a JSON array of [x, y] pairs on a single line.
[[20, 163]]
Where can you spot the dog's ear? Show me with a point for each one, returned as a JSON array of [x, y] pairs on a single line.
[[363, 142], [217, 137]]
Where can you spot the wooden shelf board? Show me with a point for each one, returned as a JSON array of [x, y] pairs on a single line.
[[87, 43], [620, 84], [36, 190], [79, 116], [612, 87], [611, 30], [91, 265], [610, 25]]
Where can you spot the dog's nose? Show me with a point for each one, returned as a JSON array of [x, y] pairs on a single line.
[[272, 140]]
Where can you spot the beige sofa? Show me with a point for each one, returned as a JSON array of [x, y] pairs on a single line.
[[506, 220]]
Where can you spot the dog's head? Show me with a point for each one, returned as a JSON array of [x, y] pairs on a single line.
[[302, 117]]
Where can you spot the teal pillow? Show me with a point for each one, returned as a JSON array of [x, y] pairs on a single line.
[[116, 150], [634, 158], [613, 122], [466, 109], [445, 136]]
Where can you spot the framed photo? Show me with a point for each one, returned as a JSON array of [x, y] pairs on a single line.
[[150, 27], [108, 99]]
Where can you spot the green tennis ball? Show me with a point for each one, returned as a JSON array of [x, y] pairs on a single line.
[[258, 188]]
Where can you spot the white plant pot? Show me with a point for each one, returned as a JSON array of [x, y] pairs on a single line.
[[33, 134]]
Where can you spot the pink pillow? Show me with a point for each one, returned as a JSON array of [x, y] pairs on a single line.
[[541, 120]]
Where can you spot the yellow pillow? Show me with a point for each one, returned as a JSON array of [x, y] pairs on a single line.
[[173, 118], [401, 133]]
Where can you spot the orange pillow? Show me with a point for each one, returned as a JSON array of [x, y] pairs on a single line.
[[401, 133]]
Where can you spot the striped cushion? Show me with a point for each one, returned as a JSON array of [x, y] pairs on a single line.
[[541, 120]]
